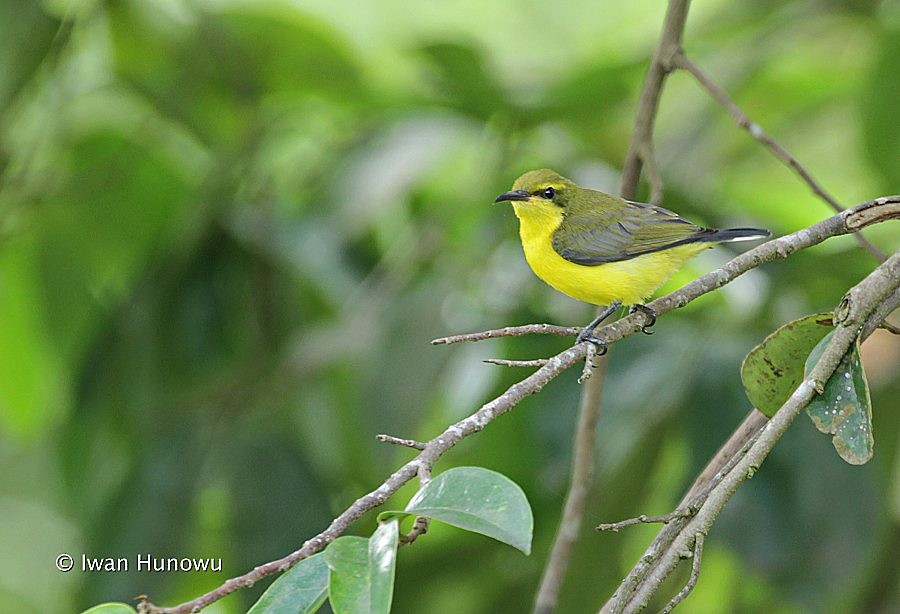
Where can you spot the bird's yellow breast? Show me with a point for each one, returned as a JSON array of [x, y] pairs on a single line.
[[630, 281]]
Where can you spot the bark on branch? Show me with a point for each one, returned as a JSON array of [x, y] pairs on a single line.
[[865, 214]]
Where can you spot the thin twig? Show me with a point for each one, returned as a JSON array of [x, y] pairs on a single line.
[[746, 431], [720, 465], [640, 152], [640, 148], [680, 60], [682, 512], [420, 527], [857, 307], [894, 330], [876, 211], [782, 247], [421, 523], [692, 581], [878, 318], [887, 208], [654, 178], [397, 441], [503, 362], [434, 449], [587, 371], [511, 331], [693, 500], [576, 498]]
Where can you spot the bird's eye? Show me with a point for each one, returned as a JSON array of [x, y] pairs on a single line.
[[548, 193]]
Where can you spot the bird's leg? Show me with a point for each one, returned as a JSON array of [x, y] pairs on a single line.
[[587, 333], [651, 316]]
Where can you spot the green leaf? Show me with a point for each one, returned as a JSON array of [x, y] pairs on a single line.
[[33, 391], [111, 608], [280, 42], [477, 500], [361, 579], [844, 409], [27, 34], [300, 590], [87, 274], [461, 79], [880, 128], [773, 369]]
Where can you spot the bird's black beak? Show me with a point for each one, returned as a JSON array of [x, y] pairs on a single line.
[[514, 195]]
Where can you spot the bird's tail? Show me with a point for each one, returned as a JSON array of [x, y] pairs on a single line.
[[725, 235]]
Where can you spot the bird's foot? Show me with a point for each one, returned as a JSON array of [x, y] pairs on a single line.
[[651, 316], [587, 333], [597, 342]]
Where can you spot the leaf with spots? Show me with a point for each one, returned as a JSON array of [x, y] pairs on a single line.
[[774, 368], [844, 409], [478, 500]]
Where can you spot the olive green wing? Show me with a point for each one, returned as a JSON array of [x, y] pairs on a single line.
[[597, 236]]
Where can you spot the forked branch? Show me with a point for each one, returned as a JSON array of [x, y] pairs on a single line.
[[874, 211], [681, 61], [858, 314]]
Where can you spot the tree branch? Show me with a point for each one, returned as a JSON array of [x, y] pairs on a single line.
[[856, 311], [503, 362], [511, 331], [721, 464], [680, 60], [737, 442], [641, 147], [890, 304], [876, 211], [692, 581], [690, 504], [615, 527], [434, 449], [397, 441], [576, 498], [865, 214], [640, 152]]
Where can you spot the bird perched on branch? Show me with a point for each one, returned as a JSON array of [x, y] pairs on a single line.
[[602, 249]]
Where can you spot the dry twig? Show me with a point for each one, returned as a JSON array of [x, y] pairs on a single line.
[[692, 581], [503, 362], [877, 210], [860, 311], [511, 331], [680, 60], [397, 441], [615, 527], [576, 498]]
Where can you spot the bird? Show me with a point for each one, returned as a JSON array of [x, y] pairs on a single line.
[[602, 249]]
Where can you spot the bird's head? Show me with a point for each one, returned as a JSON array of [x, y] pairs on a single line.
[[541, 196]]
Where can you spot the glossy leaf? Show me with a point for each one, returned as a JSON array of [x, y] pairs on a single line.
[[300, 590], [773, 369], [361, 577], [844, 409], [478, 500]]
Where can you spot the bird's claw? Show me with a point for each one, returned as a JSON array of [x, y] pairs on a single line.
[[651, 316], [587, 335]]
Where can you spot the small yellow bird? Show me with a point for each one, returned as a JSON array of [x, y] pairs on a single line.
[[602, 249]]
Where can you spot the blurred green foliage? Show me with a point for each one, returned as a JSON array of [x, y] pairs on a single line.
[[228, 231]]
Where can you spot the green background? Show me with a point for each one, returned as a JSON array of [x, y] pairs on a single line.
[[228, 231]]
